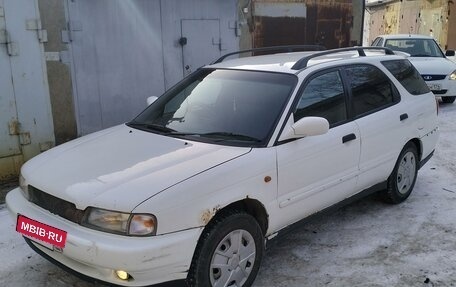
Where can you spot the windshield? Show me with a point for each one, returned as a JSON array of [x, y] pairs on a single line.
[[220, 106], [415, 47]]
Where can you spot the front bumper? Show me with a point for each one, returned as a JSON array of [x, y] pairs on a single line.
[[95, 254], [447, 87]]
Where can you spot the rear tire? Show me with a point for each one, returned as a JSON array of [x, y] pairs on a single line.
[[228, 253], [403, 178], [448, 100]]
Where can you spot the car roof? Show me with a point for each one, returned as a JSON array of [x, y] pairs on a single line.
[[283, 62], [405, 36]]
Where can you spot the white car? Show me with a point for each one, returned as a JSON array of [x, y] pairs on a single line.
[[240, 151], [437, 70]]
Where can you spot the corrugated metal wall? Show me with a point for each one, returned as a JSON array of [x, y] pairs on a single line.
[[25, 113], [419, 16], [409, 18], [376, 23], [433, 22], [391, 18], [126, 51], [329, 23], [451, 35]]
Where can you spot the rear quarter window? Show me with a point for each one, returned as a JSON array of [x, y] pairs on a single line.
[[407, 75]]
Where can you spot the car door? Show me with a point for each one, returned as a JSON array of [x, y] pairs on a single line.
[[380, 119], [317, 171]]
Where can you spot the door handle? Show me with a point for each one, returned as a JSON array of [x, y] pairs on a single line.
[[183, 41], [403, 117], [348, 138]]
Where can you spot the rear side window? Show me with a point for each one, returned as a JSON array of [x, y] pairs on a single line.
[[407, 75], [371, 89]]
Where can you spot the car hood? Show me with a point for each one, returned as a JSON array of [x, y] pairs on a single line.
[[433, 66], [120, 167]]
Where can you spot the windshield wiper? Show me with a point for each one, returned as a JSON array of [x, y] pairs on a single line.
[[220, 136], [176, 133], [231, 136], [421, 55], [150, 127]]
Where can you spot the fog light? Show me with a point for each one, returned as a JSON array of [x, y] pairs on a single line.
[[122, 275]]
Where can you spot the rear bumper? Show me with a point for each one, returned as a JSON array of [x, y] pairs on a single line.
[[96, 255]]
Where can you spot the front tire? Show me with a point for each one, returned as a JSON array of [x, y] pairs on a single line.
[[229, 252], [403, 178], [448, 100]]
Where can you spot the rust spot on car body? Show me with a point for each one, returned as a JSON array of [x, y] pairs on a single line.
[[207, 214]]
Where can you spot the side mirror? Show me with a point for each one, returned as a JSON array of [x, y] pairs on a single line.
[[151, 99], [450, 53], [305, 127]]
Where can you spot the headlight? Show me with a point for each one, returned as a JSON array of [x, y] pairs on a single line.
[[453, 76], [119, 222], [24, 187]]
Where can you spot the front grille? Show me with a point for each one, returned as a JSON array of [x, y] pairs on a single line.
[[440, 92], [433, 77], [55, 205]]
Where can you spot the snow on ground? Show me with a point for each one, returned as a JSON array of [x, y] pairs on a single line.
[[367, 243]]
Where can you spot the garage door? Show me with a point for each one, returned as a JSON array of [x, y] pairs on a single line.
[[26, 127], [195, 40], [117, 59]]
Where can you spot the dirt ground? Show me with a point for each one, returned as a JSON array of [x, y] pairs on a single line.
[[367, 243]]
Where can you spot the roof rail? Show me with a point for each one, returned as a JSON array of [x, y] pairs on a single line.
[[283, 49], [302, 63]]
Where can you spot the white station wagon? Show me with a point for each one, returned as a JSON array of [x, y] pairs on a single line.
[[193, 188]]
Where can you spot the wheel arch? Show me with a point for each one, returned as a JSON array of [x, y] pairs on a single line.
[[247, 206], [419, 147], [251, 206]]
